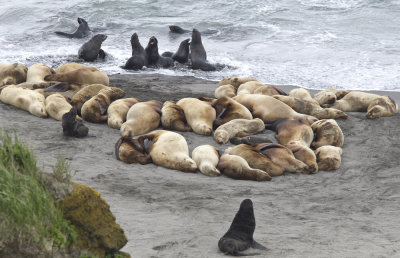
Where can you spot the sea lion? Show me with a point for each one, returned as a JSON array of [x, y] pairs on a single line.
[[255, 87], [226, 90], [327, 132], [235, 81], [84, 94], [37, 72], [311, 107], [57, 106], [118, 110], [12, 74], [236, 167], [238, 128], [179, 30], [95, 109], [82, 31], [198, 55], [382, 106], [329, 157], [250, 140], [200, 115], [182, 54], [306, 155], [206, 158], [72, 127], [283, 157], [292, 131], [239, 237], [73, 66], [141, 118], [25, 99], [255, 159], [131, 150], [301, 93], [80, 76], [325, 98], [153, 57], [138, 58], [269, 90], [228, 109], [91, 49], [173, 117], [268, 108]]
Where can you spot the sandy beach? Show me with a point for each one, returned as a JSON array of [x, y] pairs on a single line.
[[350, 212]]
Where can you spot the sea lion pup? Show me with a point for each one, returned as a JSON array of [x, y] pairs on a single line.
[[306, 155], [73, 66], [269, 109], [236, 167], [238, 127], [95, 109], [138, 58], [206, 158], [329, 157], [169, 150], [283, 157], [81, 76], [200, 115], [382, 106], [84, 94], [228, 109], [240, 234], [250, 140], [327, 132], [226, 90], [118, 110], [141, 118], [173, 117], [310, 107], [153, 57], [131, 150], [25, 99], [12, 74], [37, 72], [72, 127], [182, 54], [198, 55], [82, 31], [292, 131], [91, 49], [235, 81], [255, 159], [57, 106]]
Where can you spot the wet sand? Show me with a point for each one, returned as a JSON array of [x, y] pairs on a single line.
[[351, 212]]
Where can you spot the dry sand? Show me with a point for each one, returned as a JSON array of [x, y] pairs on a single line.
[[351, 212]]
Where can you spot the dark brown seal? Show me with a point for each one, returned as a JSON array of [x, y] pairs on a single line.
[[138, 58], [82, 31], [198, 54], [72, 127], [90, 50]]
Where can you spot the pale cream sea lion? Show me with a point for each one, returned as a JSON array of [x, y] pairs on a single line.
[[269, 90], [81, 76], [235, 81], [228, 109], [118, 110], [327, 132], [12, 74], [249, 87], [200, 115], [57, 106], [238, 128], [141, 118], [86, 93], [173, 117], [206, 158], [306, 155], [72, 66], [325, 98], [382, 106], [37, 72], [328, 157], [303, 94], [226, 90], [292, 131]]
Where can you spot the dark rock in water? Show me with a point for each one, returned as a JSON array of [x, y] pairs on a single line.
[[72, 127]]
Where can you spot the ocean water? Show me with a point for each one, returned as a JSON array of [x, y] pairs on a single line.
[[317, 44]]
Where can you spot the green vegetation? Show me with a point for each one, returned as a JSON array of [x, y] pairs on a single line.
[[62, 171], [27, 210]]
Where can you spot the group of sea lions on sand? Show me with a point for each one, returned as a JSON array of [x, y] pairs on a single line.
[[308, 137], [189, 52]]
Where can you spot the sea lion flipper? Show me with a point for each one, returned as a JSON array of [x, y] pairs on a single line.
[[102, 54], [103, 110], [221, 114], [63, 34], [59, 87], [257, 245]]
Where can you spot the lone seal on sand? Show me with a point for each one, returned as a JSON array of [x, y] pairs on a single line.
[[138, 58], [198, 54], [90, 50], [71, 127], [240, 234], [82, 31]]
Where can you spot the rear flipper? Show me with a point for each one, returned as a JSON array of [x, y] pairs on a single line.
[[63, 34], [59, 87], [102, 54]]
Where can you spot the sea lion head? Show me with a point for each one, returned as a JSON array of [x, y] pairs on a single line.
[[131, 150], [135, 40], [99, 38], [176, 29], [196, 36], [381, 106]]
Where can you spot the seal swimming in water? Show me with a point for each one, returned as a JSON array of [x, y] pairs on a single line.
[[90, 50], [153, 57], [72, 127], [182, 54], [138, 58], [240, 234], [179, 30], [82, 31], [198, 54]]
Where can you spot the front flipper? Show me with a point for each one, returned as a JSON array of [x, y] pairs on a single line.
[[102, 54], [103, 110], [257, 245]]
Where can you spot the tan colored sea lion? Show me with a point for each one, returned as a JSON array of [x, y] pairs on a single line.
[[118, 110], [303, 94], [238, 128], [25, 99], [328, 157], [37, 72], [255, 159], [130, 150], [283, 157], [57, 106], [72, 66], [382, 106], [173, 117], [95, 109], [200, 115], [329, 96], [228, 109], [269, 109], [235, 81], [206, 158], [236, 167], [12, 74], [84, 94], [249, 87], [81, 76], [306, 155], [310, 107], [327, 132], [269, 90], [292, 131], [141, 118], [226, 90]]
